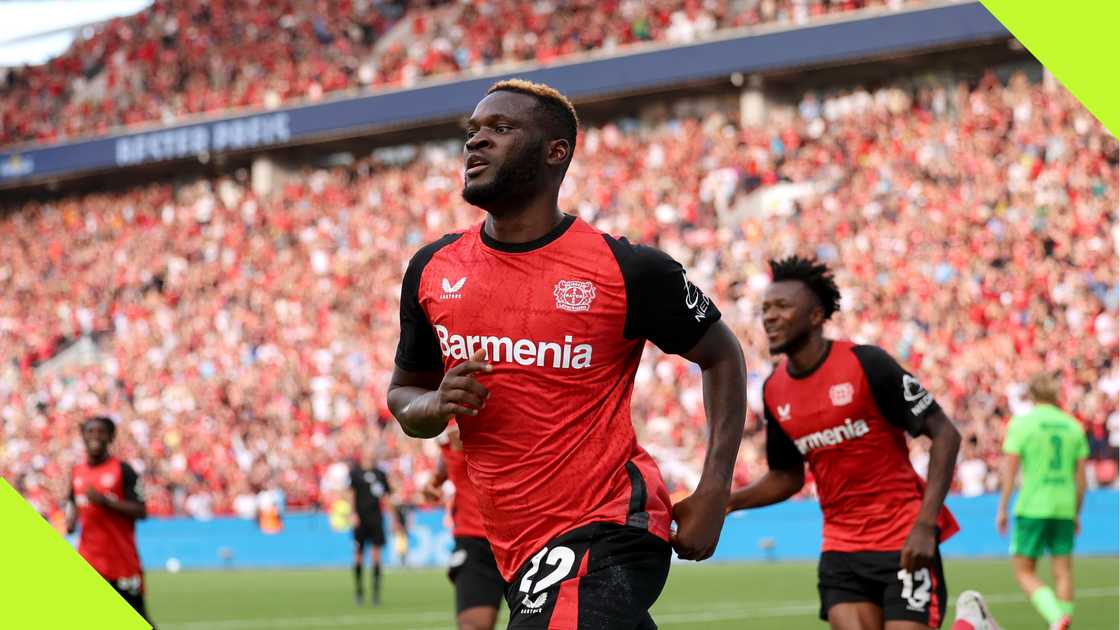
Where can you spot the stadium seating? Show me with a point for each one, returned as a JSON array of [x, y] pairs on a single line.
[[246, 343], [184, 57]]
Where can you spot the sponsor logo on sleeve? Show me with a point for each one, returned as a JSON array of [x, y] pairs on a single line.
[[695, 300], [913, 392], [784, 413]]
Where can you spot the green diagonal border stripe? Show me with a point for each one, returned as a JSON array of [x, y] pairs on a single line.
[[45, 584], [1076, 41]]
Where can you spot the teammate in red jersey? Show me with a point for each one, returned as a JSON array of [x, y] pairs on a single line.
[[479, 586], [106, 499], [529, 327], [843, 409]]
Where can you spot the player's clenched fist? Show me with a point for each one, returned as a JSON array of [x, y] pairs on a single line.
[[699, 520], [460, 393], [920, 548]]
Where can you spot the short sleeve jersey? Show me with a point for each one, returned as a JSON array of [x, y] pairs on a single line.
[[108, 540], [466, 517], [370, 486], [563, 320], [1049, 444], [847, 419]]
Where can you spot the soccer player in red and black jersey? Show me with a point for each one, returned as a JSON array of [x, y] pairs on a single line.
[[844, 409], [479, 586], [528, 328], [106, 499]]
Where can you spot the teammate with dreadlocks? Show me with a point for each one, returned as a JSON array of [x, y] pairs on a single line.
[[843, 408]]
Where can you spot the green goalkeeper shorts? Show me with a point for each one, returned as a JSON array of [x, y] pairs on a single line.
[[1033, 537]]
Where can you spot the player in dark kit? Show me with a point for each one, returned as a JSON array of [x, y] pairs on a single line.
[[528, 328], [843, 409], [106, 499], [370, 485], [479, 586]]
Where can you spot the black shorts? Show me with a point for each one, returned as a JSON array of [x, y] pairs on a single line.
[[474, 573], [597, 577], [371, 530], [131, 589], [877, 577]]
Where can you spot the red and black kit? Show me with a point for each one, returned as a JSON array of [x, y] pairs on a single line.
[[108, 538], [563, 320], [847, 418], [473, 571]]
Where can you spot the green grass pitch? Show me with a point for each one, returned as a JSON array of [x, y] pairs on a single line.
[[698, 596]]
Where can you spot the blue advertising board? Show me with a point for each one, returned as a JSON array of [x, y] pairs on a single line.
[[788, 531]]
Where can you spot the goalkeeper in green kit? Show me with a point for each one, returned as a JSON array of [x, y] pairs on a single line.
[[1050, 448]]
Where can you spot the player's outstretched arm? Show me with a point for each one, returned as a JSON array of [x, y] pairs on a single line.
[[921, 545], [700, 516], [775, 486], [786, 476], [424, 402]]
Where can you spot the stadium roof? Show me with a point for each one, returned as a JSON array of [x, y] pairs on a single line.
[[37, 30]]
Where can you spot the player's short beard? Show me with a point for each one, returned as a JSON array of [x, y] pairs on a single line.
[[515, 182], [793, 344]]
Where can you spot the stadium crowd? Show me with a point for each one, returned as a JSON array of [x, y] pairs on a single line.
[[245, 343], [182, 57]]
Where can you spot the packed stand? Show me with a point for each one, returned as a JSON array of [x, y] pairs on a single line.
[[245, 344], [184, 57]]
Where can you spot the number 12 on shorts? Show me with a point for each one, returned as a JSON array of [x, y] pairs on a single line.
[[915, 588], [561, 559]]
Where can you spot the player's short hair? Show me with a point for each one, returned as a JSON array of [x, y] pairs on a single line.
[[110, 426], [814, 275], [554, 106], [1043, 387]]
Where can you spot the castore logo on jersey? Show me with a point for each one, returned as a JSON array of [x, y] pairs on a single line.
[[452, 291], [534, 606]]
